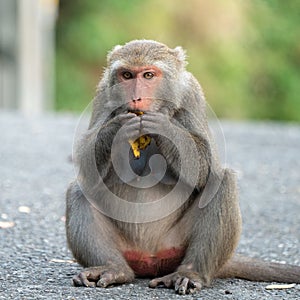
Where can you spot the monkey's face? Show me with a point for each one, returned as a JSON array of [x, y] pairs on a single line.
[[139, 87], [144, 76]]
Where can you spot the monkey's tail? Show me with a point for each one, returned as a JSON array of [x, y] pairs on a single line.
[[258, 270]]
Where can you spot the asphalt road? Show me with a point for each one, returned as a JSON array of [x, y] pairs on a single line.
[[35, 262]]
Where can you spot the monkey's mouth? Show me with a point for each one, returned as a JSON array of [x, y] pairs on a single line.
[[136, 111]]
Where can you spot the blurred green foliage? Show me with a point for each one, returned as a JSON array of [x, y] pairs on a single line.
[[246, 54]]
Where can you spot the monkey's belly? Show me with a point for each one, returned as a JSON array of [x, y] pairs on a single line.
[[151, 265]]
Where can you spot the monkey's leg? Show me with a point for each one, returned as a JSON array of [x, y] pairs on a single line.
[[95, 243], [213, 236]]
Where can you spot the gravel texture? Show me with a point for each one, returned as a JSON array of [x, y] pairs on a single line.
[[35, 262]]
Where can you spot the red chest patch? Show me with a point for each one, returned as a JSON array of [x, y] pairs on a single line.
[[150, 265]]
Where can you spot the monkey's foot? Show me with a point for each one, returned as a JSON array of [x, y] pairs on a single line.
[[183, 282], [103, 276]]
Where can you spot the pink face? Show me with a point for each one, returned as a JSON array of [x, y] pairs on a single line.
[[140, 84]]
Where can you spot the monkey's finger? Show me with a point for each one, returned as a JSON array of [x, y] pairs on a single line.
[[152, 116], [129, 127], [129, 131], [125, 117], [128, 115], [155, 121], [133, 122], [151, 126]]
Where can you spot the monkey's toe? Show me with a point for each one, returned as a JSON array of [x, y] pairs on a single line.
[[186, 286], [102, 276], [181, 283], [83, 279], [107, 279]]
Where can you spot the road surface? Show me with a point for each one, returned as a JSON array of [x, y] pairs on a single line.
[[35, 262]]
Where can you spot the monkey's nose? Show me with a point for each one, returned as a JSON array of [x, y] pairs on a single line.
[[135, 100]]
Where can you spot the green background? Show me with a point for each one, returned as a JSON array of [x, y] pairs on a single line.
[[245, 54]]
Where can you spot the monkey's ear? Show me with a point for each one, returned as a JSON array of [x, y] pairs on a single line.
[[110, 53], [180, 54]]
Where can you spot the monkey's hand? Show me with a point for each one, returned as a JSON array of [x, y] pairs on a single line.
[[129, 126], [183, 282], [103, 276], [158, 122]]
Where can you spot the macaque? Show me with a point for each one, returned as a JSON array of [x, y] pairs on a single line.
[[151, 198]]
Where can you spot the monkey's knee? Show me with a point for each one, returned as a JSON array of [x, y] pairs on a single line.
[[229, 211], [227, 194]]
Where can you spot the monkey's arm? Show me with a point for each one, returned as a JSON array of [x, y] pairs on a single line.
[[94, 242], [195, 149], [91, 155], [94, 151]]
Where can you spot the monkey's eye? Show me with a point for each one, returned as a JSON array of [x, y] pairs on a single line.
[[127, 75], [148, 75]]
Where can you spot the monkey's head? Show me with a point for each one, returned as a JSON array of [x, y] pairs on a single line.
[[147, 75]]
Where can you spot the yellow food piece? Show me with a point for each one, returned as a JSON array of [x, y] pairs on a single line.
[[139, 113], [141, 143]]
